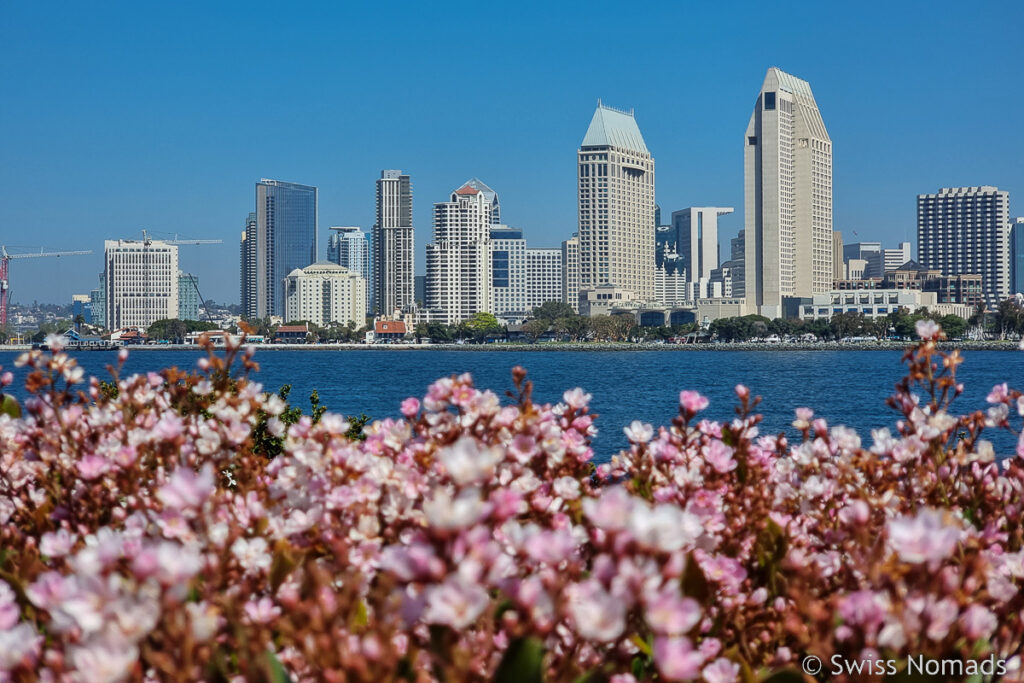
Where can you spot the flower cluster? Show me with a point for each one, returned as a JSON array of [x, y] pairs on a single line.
[[146, 534]]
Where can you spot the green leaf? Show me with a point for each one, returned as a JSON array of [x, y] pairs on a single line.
[[523, 662], [275, 670], [8, 406]]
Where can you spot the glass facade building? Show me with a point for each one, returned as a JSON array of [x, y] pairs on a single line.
[[348, 247], [286, 227], [1017, 254], [188, 296]]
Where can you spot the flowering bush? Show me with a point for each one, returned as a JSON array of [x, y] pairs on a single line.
[[144, 535]]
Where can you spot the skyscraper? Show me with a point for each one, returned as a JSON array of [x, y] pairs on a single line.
[[571, 272], [1017, 254], [543, 277], [285, 239], [347, 247], [788, 196], [696, 242], [188, 296], [141, 279], [508, 272], [459, 263], [615, 173], [247, 257], [393, 244], [966, 230], [838, 271]]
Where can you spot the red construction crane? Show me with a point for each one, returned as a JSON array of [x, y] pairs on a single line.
[[4, 281]]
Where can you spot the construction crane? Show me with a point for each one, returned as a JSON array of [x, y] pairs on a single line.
[[147, 240], [5, 257]]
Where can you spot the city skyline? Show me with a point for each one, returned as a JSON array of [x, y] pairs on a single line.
[[111, 182]]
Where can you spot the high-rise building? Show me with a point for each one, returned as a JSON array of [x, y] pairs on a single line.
[[508, 273], [696, 240], [838, 269], [870, 253], [285, 239], [247, 256], [966, 230], [188, 296], [459, 258], [347, 246], [81, 305], [141, 279], [894, 258], [490, 195], [98, 301], [543, 277], [788, 196], [571, 272], [737, 261], [1017, 254], [393, 245], [615, 173], [325, 293]]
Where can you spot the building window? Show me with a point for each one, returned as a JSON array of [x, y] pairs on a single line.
[[769, 100], [752, 140]]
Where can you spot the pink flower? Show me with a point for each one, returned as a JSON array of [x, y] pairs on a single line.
[[925, 538], [456, 603], [169, 427], [864, 608], [92, 467], [410, 407], [611, 510], [6, 379], [978, 622], [466, 462], [676, 659], [262, 611], [595, 614], [721, 671], [576, 398], [567, 488], [670, 614], [928, 329], [56, 544], [692, 402], [186, 489], [719, 456], [253, 554]]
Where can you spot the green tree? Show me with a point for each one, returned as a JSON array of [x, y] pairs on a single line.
[[575, 327], [953, 325], [482, 325], [552, 311], [535, 329]]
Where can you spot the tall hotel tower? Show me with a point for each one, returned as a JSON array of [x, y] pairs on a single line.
[[966, 230], [282, 239], [393, 279], [459, 265], [788, 196], [616, 205]]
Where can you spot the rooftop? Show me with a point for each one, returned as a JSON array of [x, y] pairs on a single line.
[[614, 128]]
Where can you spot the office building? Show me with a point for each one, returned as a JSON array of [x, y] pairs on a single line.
[[737, 260], [788, 196], [325, 293], [868, 252], [98, 301], [188, 296], [838, 262], [247, 256], [694, 235], [543, 277], [508, 273], [1017, 256], [419, 289], [670, 287], [393, 245], [81, 305], [616, 205], [141, 279], [459, 258], [894, 258], [349, 248], [966, 230], [282, 239], [571, 272]]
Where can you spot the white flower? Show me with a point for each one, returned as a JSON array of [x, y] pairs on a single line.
[[252, 554], [596, 615], [638, 432], [444, 512], [567, 488], [456, 602], [664, 527], [467, 463], [928, 329], [927, 537]]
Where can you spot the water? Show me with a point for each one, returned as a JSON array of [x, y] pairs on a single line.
[[845, 387]]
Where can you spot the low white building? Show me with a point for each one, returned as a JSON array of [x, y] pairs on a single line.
[[873, 303], [325, 293], [602, 299]]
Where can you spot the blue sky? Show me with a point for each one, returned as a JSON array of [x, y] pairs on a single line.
[[122, 116]]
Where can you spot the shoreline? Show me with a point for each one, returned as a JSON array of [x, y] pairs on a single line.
[[578, 346]]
